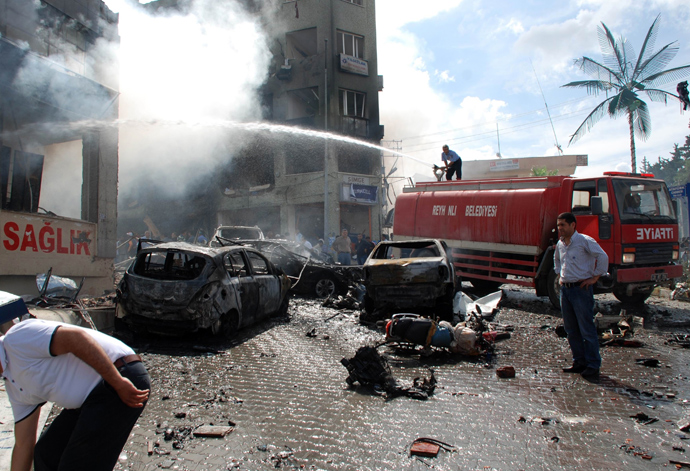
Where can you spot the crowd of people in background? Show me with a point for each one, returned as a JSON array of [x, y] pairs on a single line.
[[128, 244], [346, 249]]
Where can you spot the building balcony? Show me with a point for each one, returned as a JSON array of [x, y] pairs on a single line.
[[354, 126]]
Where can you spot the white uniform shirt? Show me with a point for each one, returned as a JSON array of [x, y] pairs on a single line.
[[580, 260], [33, 376]]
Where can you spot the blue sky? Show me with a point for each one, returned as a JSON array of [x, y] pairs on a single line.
[[455, 69]]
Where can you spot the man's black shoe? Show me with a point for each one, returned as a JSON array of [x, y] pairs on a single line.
[[590, 373], [576, 368]]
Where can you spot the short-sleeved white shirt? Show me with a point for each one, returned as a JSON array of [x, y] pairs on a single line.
[[33, 376]]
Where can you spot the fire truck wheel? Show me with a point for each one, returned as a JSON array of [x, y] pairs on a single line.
[[554, 289], [638, 296]]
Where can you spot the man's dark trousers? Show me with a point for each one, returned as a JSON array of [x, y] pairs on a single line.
[[454, 168], [91, 438]]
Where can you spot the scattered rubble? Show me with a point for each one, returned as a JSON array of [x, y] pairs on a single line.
[[370, 369]]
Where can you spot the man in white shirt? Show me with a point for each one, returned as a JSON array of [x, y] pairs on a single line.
[[98, 380], [579, 261]]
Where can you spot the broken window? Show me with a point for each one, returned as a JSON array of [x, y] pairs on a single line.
[[235, 265], [351, 44], [300, 43], [352, 103], [304, 156], [259, 265], [20, 180], [171, 265], [302, 106], [354, 159]]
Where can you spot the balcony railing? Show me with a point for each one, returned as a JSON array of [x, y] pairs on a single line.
[[354, 126]]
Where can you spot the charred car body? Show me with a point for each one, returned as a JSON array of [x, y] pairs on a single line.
[[414, 276], [311, 272], [236, 233], [175, 288]]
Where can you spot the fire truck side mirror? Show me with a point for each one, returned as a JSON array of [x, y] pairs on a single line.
[[597, 205], [675, 207]]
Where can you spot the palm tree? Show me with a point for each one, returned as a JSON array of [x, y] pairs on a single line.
[[618, 74]]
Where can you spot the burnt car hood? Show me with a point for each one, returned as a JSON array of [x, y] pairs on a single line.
[[405, 270]]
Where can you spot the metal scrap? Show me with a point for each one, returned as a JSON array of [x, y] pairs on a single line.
[[370, 369]]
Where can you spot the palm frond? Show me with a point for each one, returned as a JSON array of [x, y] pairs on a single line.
[[667, 76], [593, 86], [642, 121], [657, 61], [597, 70], [647, 48], [629, 56], [659, 95], [613, 56], [589, 122]]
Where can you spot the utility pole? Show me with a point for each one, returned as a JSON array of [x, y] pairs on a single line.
[[325, 153], [396, 146]]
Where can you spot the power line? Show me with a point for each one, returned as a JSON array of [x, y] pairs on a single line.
[[489, 134]]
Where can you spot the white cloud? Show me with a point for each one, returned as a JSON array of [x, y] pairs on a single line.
[[514, 26], [444, 76]]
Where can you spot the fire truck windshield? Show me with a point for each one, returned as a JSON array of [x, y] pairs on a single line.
[[643, 201]]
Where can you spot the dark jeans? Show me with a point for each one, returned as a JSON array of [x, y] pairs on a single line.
[[577, 308], [454, 167], [344, 258], [91, 438]]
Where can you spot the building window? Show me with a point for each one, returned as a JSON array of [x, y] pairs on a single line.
[[301, 43], [351, 44], [352, 103], [21, 176], [356, 2], [302, 106]]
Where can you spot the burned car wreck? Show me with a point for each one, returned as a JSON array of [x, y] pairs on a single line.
[[176, 288], [410, 276], [311, 272]]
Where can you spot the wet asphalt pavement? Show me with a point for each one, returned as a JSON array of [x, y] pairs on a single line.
[[285, 394]]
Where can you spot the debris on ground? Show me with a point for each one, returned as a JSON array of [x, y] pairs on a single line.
[[651, 362], [214, 431], [370, 369], [429, 447], [485, 307], [342, 302], [681, 292], [682, 340], [636, 451], [505, 372], [643, 418], [417, 330]]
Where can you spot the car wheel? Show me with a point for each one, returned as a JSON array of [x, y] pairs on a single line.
[[229, 324], [325, 287], [283, 309], [554, 289]]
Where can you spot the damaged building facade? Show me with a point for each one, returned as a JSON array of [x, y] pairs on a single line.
[[323, 77], [58, 156]]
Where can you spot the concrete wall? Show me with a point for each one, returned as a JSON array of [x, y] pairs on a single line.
[[66, 81]]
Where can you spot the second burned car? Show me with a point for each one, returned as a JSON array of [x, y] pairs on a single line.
[[175, 288], [410, 276]]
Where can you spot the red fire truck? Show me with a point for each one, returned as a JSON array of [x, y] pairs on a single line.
[[507, 227]]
